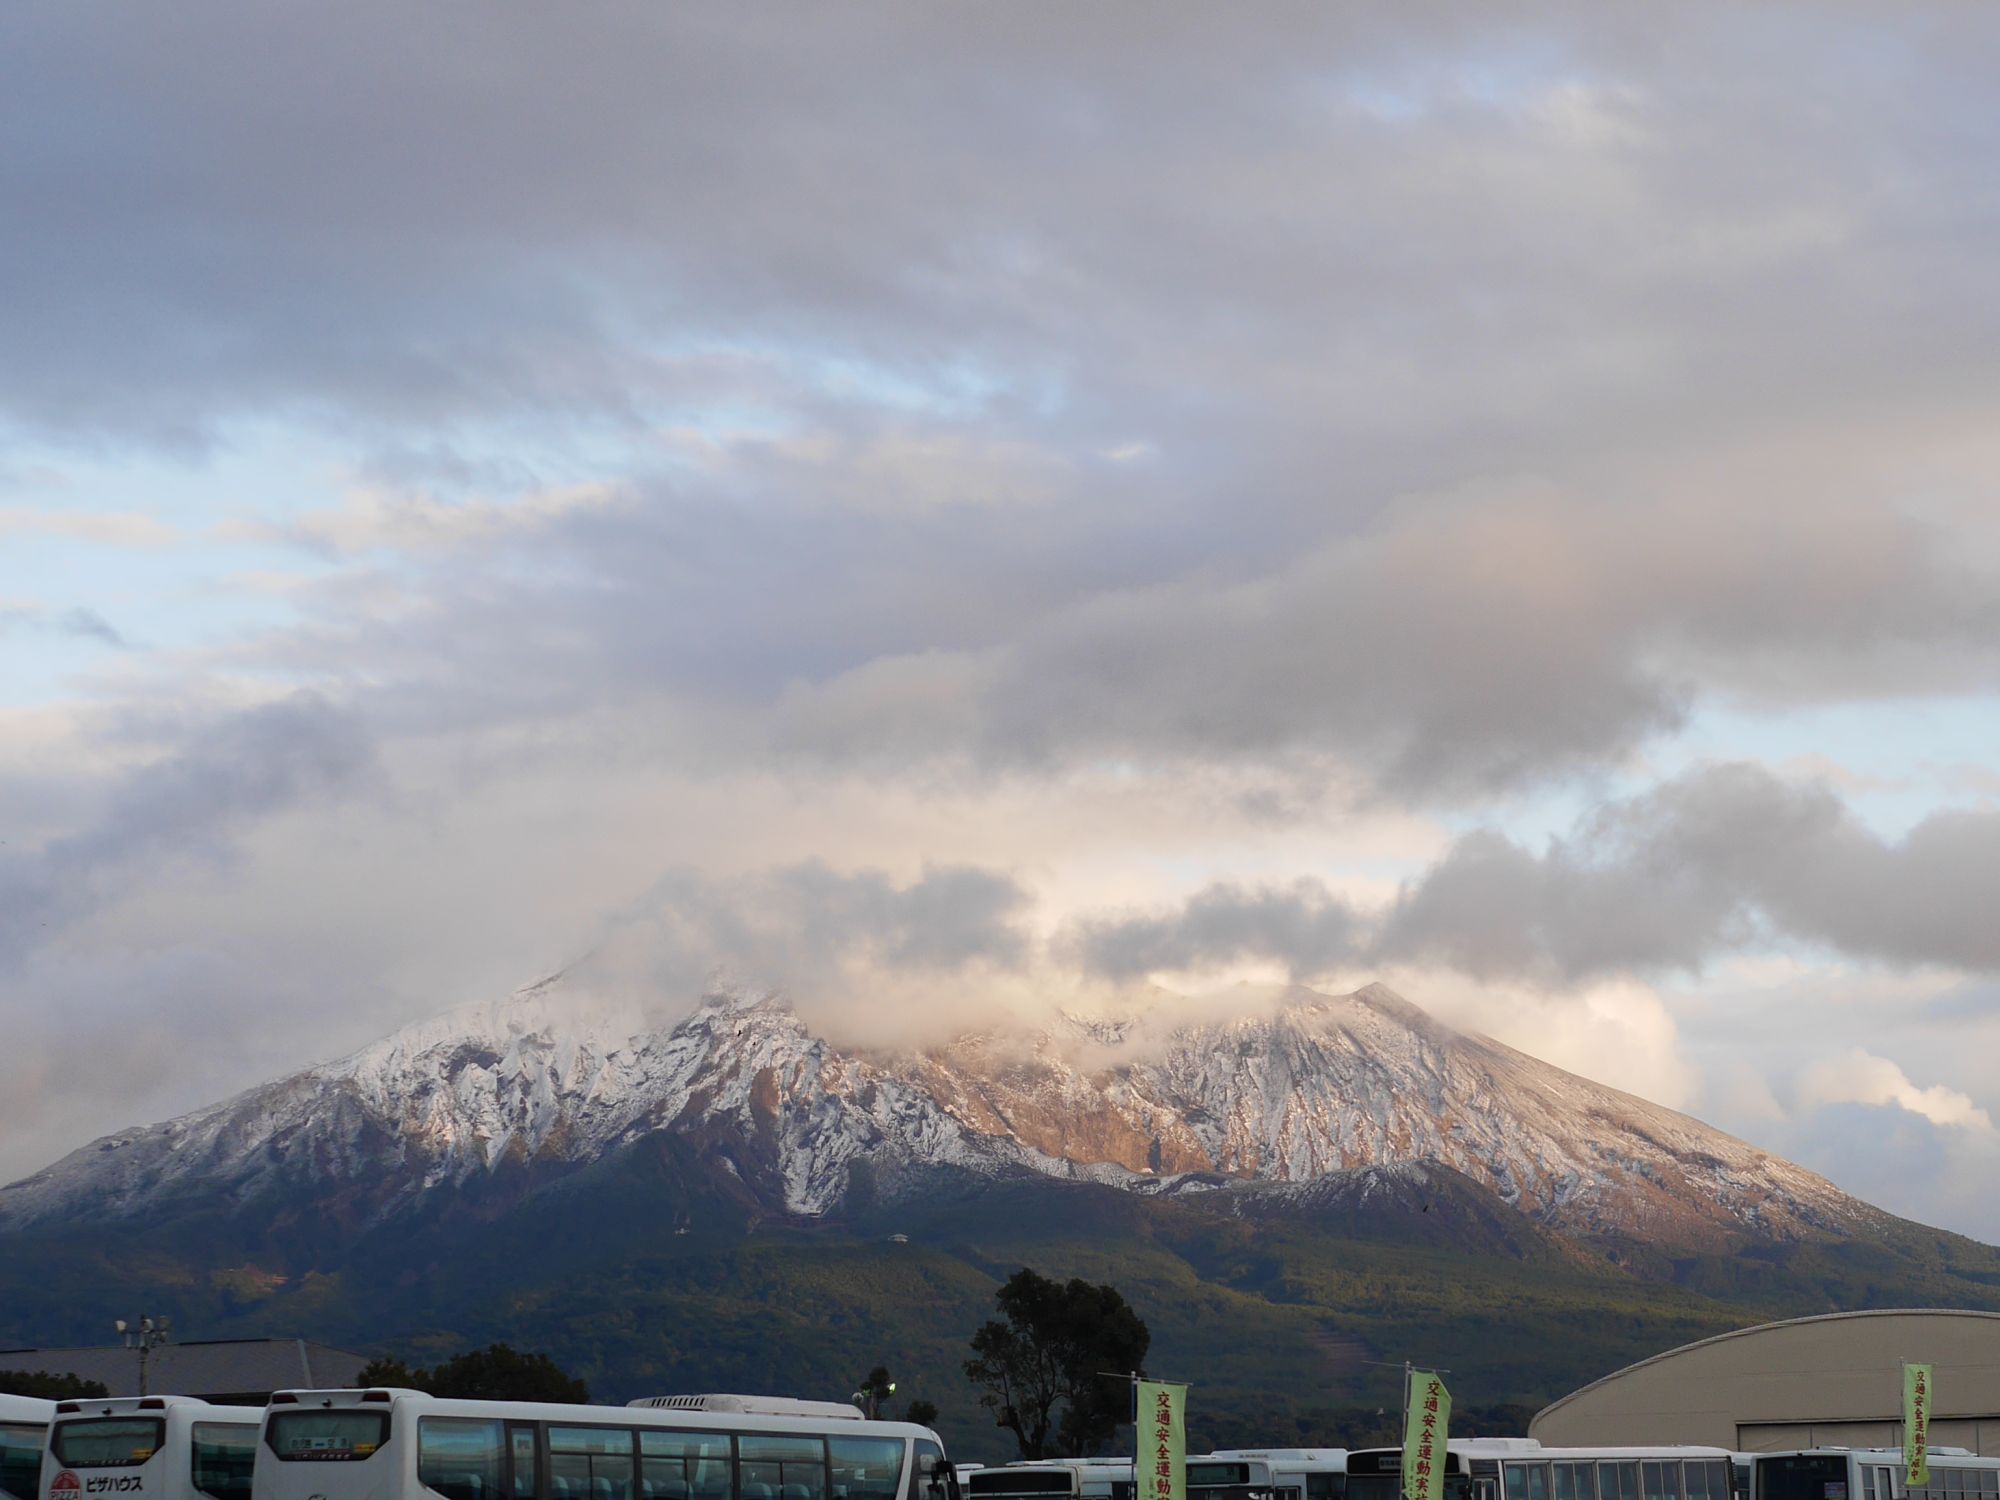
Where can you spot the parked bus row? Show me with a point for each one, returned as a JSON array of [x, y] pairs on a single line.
[[1513, 1469], [405, 1445]]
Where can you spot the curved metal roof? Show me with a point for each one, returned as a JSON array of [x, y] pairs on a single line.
[[1739, 1333]]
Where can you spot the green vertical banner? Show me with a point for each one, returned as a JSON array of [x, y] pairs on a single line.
[[1424, 1426], [1162, 1418], [1916, 1425]]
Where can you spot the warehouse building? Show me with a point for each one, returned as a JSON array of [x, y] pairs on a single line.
[[1835, 1380], [235, 1371]]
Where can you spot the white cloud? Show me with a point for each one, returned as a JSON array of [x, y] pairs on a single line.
[[104, 528], [1860, 1077]]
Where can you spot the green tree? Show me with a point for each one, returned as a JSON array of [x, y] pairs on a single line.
[[923, 1413], [1042, 1369], [495, 1373], [390, 1371], [63, 1387]]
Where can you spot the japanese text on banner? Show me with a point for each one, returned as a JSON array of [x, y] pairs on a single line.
[[1916, 1424], [1162, 1455], [1424, 1428]]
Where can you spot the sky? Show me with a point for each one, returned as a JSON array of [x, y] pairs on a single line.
[[945, 509]]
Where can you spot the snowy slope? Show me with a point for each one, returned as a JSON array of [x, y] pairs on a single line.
[[1315, 1085]]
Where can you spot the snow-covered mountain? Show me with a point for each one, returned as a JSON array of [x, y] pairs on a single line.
[[1302, 1091]]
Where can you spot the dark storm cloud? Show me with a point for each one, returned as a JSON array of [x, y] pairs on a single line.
[[1714, 863]]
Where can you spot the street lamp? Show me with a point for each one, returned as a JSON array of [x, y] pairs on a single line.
[[869, 1397], [147, 1336]]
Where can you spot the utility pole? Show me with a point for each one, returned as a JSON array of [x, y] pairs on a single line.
[[146, 1336]]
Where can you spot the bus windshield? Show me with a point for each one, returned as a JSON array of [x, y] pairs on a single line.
[[107, 1442], [1803, 1476], [336, 1433], [1390, 1486], [1023, 1482], [21, 1459]]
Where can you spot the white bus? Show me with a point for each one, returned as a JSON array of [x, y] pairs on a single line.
[[1870, 1474], [149, 1448], [405, 1445], [1054, 1479], [1666, 1472], [24, 1428], [1282, 1473]]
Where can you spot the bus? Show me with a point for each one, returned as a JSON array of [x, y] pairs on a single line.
[[1871, 1474], [405, 1445], [24, 1428], [1276, 1473], [1377, 1474], [1053, 1479], [1509, 1469], [149, 1448]]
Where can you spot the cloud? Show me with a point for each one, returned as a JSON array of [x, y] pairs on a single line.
[[876, 959], [1303, 926], [105, 528], [1899, 1159], [76, 623], [1715, 861], [1860, 1077], [1725, 859], [218, 778]]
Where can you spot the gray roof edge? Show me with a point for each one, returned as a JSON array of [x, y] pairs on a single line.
[[1737, 1333], [305, 1365]]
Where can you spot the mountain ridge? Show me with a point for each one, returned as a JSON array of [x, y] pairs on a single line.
[[1290, 1092]]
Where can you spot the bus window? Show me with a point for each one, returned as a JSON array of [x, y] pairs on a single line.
[[779, 1466], [1618, 1481], [220, 1457], [866, 1468], [21, 1458], [591, 1463], [332, 1433], [460, 1457], [1802, 1476], [107, 1442], [1324, 1485], [685, 1465], [1660, 1481], [1574, 1481], [523, 1465]]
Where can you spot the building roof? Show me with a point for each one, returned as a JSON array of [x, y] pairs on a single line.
[[211, 1367], [1740, 1333]]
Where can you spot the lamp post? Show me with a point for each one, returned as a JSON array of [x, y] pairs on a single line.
[[146, 1336], [869, 1397]]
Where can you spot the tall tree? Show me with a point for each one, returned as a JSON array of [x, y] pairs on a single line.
[[1042, 1365]]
